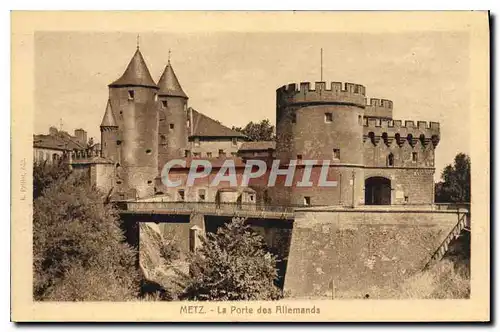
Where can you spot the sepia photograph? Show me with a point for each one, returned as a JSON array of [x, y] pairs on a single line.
[[287, 171]]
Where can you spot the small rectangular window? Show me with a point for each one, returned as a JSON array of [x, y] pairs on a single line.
[[209, 154], [172, 126], [299, 157], [222, 153], [294, 117], [328, 117], [131, 94], [234, 141], [201, 195], [414, 156], [196, 142], [307, 200], [336, 154], [164, 103], [180, 195], [187, 153]]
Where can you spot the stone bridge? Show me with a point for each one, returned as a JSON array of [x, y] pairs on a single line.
[[324, 250]]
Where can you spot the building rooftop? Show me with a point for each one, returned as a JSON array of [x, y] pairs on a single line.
[[61, 141], [169, 84], [109, 119], [204, 126], [136, 74]]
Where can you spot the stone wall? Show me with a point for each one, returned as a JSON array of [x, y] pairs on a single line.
[[349, 254]]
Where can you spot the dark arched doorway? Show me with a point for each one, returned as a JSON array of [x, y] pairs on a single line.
[[377, 191]]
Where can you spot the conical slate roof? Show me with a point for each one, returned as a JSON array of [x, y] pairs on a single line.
[[169, 84], [108, 120], [136, 74]]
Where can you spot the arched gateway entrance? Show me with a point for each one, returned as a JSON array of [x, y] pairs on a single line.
[[377, 191]]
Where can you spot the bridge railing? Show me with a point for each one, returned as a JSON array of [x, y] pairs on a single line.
[[208, 207]]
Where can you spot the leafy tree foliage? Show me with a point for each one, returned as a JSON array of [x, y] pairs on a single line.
[[231, 265], [78, 247], [45, 174], [455, 184], [262, 131]]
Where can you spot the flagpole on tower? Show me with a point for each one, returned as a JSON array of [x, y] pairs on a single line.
[[322, 64]]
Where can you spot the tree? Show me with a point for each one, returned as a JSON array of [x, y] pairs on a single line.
[[78, 247], [262, 131], [232, 264], [44, 174], [455, 184]]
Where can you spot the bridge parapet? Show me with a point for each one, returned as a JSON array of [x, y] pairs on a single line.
[[223, 209]]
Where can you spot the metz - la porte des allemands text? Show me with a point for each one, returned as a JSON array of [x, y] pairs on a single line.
[[314, 173]]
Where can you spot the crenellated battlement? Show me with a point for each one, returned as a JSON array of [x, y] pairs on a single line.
[[375, 102], [379, 108], [321, 93], [374, 129]]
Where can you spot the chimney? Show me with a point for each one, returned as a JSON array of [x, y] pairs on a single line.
[[53, 131], [81, 136]]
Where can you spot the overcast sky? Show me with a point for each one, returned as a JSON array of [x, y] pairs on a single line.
[[233, 77]]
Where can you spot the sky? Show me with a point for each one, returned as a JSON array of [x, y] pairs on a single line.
[[233, 76]]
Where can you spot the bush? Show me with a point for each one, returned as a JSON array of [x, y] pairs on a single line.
[[442, 281], [232, 264], [44, 174], [78, 247], [170, 252]]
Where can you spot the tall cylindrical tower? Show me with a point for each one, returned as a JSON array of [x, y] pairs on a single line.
[[134, 104], [323, 124], [173, 130], [109, 135]]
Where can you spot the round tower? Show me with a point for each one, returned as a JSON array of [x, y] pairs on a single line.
[[134, 105], [323, 124], [109, 135], [173, 121]]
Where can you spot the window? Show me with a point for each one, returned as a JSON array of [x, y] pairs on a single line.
[[197, 142], [209, 154], [299, 157], [234, 141], [148, 151], [180, 195], [252, 198], [328, 117], [197, 154], [131, 94], [201, 195], [414, 156], [187, 153], [149, 181], [164, 103], [171, 126], [307, 200], [390, 160], [118, 142], [294, 117], [222, 153], [118, 182], [336, 154]]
